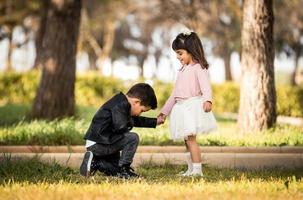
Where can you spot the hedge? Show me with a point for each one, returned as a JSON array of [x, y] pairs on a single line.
[[289, 99], [93, 90]]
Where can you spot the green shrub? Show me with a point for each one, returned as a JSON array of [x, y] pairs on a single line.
[[93, 90], [63, 132], [226, 97], [17, 87], [290, 101], [163, 91]]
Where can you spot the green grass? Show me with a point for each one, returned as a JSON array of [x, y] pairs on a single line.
[[31, 179], [16, 130], [13, 113]]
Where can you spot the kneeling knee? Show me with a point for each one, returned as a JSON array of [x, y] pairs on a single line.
[[134, 137]]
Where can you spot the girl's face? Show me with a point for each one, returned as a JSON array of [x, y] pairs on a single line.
[[184, 57]]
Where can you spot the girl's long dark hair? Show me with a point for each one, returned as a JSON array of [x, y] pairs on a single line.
[[192, 44]]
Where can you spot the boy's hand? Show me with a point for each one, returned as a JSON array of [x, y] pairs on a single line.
[[207, 105], [161, 118]]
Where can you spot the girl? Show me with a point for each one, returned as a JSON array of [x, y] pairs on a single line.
[[190, 103]]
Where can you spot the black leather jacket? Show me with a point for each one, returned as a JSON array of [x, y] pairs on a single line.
[[113, 119]]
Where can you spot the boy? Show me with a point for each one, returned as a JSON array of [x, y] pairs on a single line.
[[109, 132]]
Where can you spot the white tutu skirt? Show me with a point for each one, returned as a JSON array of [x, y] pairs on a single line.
[[188, 118]]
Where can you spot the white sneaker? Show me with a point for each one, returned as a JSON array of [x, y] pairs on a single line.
[[187, 173], [85, 167], [196, 174]]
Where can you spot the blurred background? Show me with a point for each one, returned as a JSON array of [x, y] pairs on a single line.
[[61, 59], [65, 58], [131, 39]]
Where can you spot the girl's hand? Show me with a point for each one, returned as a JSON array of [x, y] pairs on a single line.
[[207, 105], [159, 121], [162, 115], [161, 118]]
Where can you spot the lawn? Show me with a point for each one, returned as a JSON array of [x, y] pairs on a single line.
[[15, 129], [31, 179]]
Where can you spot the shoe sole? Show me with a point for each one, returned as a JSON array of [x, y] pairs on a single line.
[[195, 175], [184, 174], [190, 174], [127, 177], [86, 164]]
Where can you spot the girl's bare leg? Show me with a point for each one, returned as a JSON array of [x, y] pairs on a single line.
[[189, 162], [194, 149], [195, 152]]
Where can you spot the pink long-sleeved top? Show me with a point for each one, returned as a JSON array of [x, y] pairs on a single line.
[[191, 81]]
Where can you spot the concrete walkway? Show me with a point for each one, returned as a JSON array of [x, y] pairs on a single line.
[[222, 157]]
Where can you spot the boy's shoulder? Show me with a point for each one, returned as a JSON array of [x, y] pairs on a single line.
[[119, 98]]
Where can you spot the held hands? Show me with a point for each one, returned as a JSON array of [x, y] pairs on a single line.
[[207, 105], [161, 118]]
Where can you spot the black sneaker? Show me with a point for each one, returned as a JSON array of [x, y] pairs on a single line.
[[85, 168], [108, 168], [126, 172], [93, 168]]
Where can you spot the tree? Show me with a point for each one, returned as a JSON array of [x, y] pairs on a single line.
[[96, 38], [288, 37], [55, 95], [257, 97], [218, 21], [223, 29], [12, 14], [39, 33], [136, 43]]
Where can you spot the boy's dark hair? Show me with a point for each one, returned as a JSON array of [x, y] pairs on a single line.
[[192, 44], [145, 93]]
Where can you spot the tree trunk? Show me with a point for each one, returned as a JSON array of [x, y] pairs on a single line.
[[226, 58], [55, 95], [85, 35], [40, 34], [258, 95], [92, 57], [141, 66], [8, 9], [157, 56], [294, 73], [112, 68], [9, 66], [109, 36]]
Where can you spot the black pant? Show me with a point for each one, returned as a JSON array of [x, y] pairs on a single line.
[[111, 152]]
